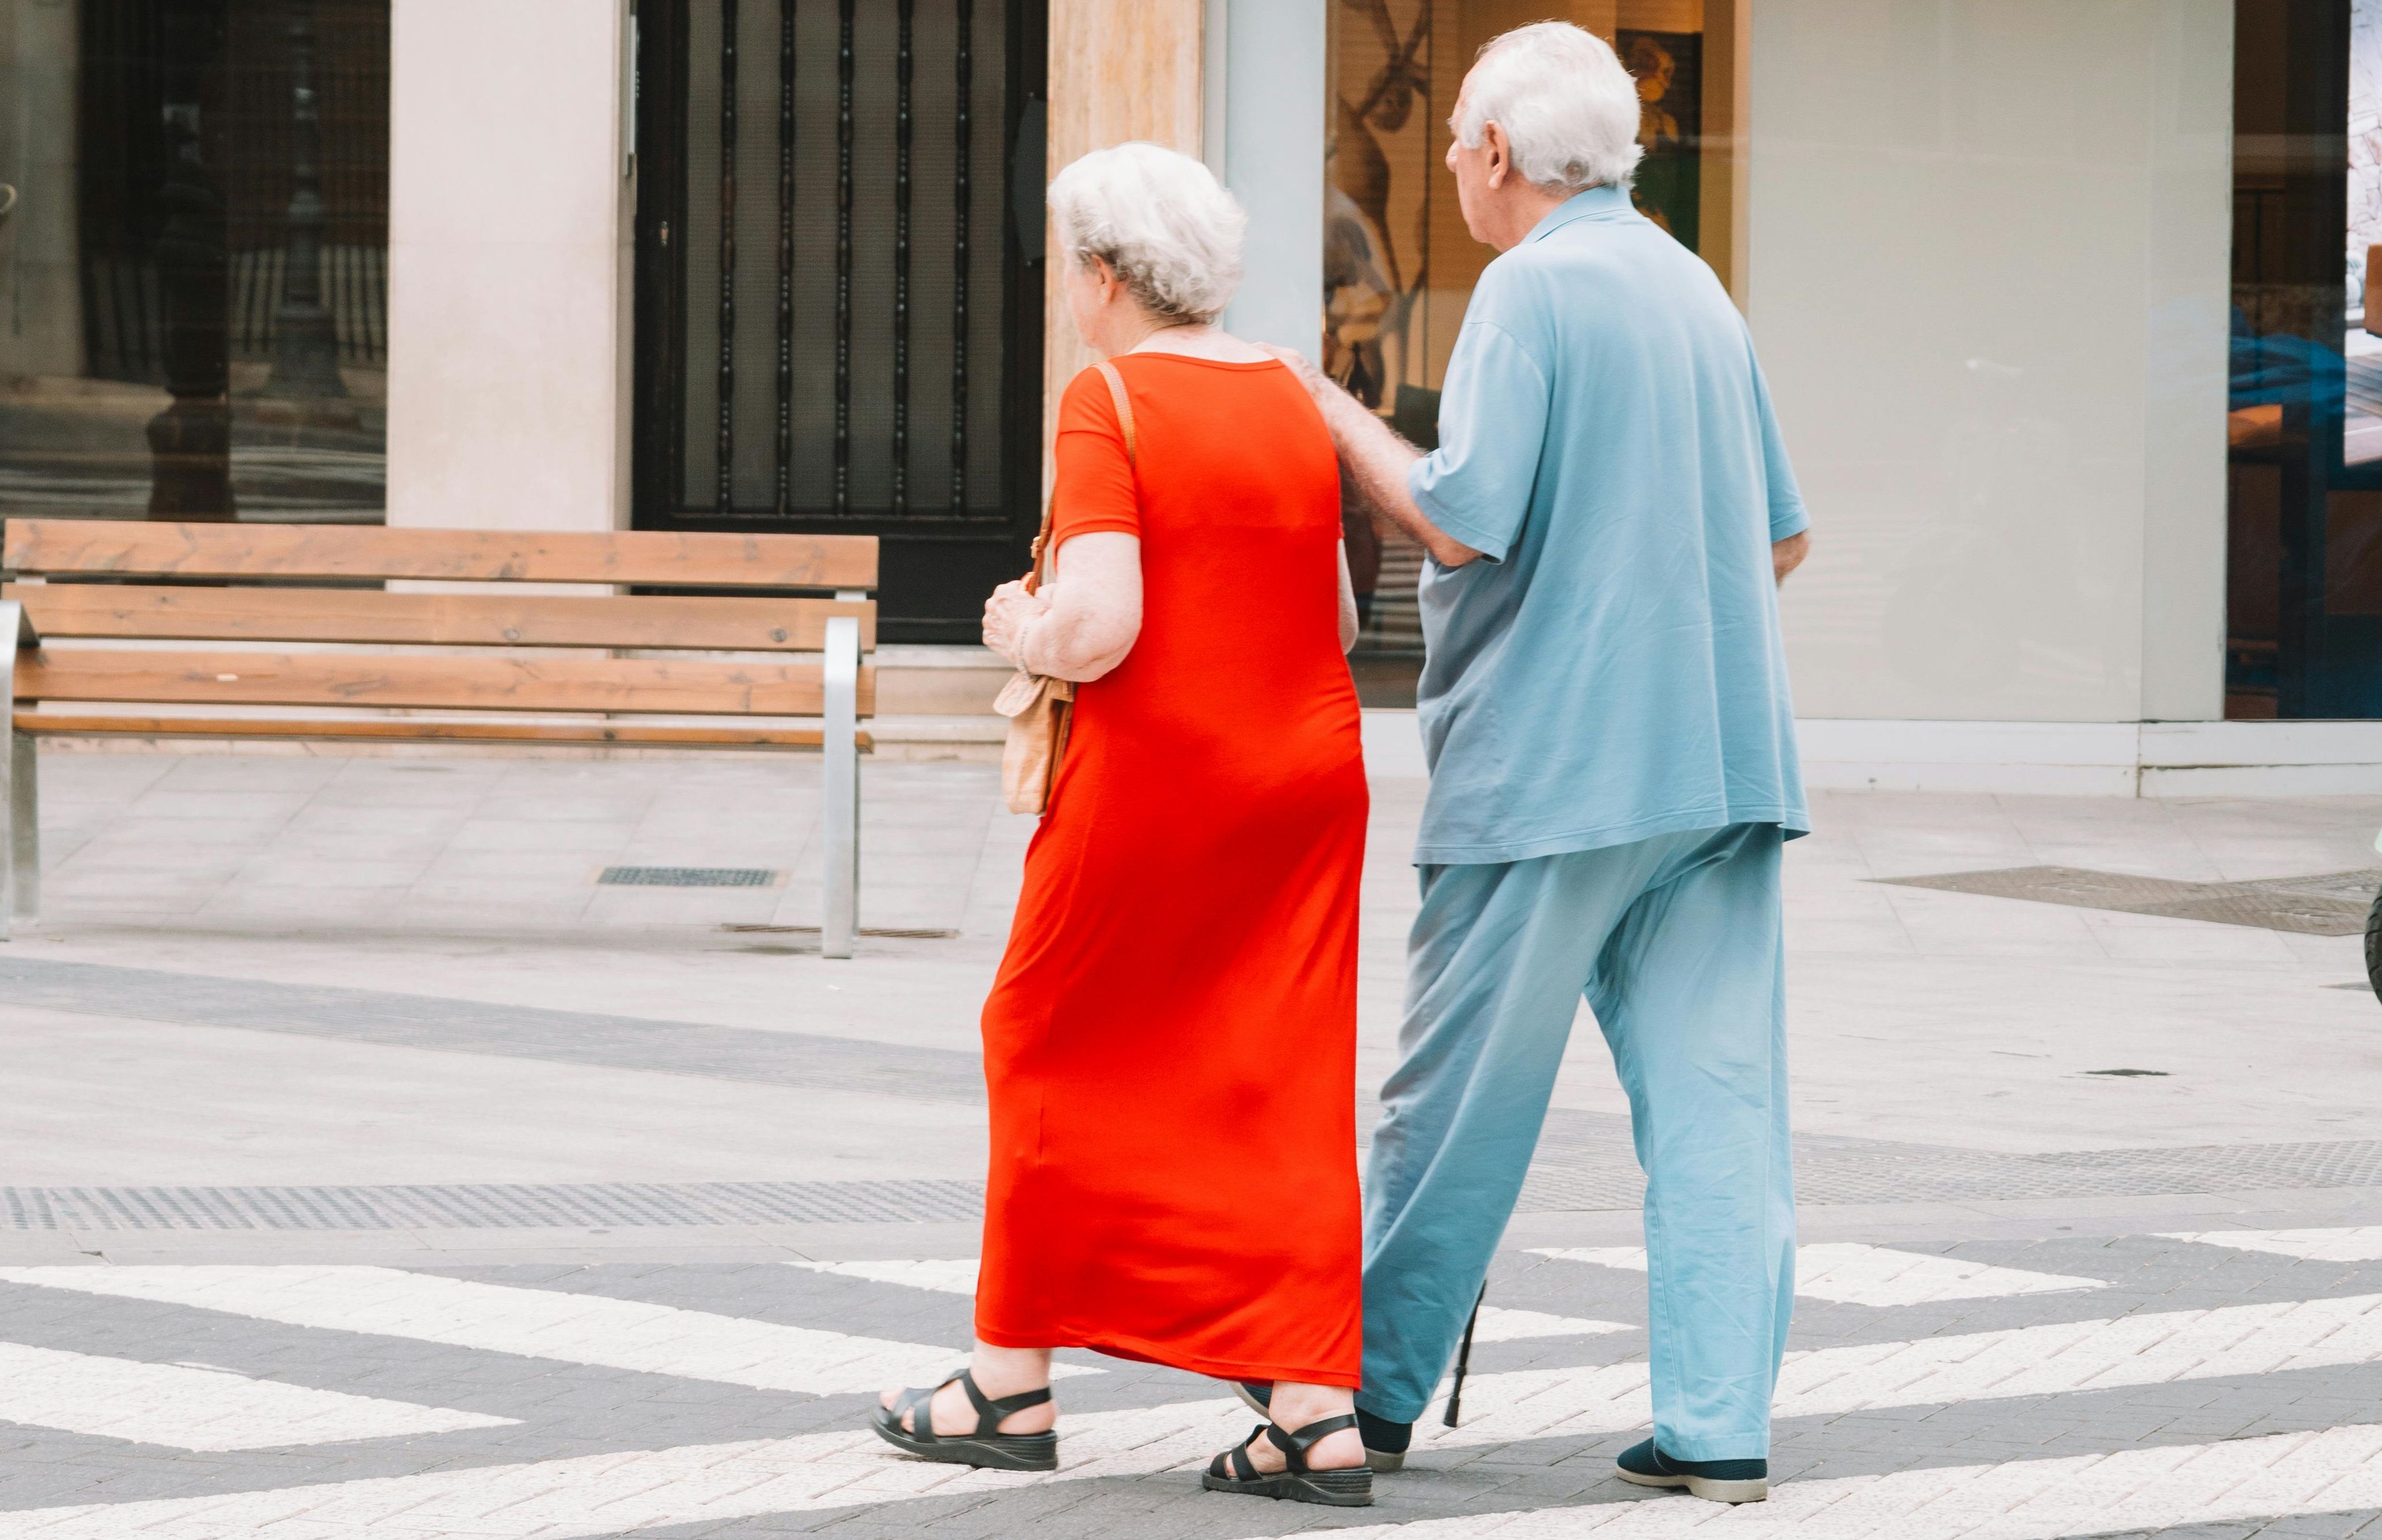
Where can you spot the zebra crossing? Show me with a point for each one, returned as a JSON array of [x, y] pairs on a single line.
[[2149, 1383]]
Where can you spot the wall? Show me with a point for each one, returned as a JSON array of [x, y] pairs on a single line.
[[509, 221], [1988, 273], [1273, 134]]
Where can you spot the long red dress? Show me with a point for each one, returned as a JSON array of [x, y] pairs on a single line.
[[1170, 1043]]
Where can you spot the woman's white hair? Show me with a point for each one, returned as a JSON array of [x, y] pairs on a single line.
[[1568, 108], [1161, 221]]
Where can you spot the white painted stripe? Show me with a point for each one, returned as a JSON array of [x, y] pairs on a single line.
[[612, 1493], [953, 1277], [1497, 1324], [2152, 1348], [2276, 1477], [534, 1323], [2358, 1243], [1854, 1274], [193, 1407]]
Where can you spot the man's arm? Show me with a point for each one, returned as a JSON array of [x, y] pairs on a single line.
[[1377, 458], [1787, 554]]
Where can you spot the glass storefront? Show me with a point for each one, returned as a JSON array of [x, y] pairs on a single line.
[[194, 259], [2304, 633], [1399, 264]]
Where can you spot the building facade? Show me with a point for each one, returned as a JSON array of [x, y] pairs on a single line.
[[2062, 305]]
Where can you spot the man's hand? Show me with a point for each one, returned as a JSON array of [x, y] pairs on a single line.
[[1375, 458], [1787, 554]]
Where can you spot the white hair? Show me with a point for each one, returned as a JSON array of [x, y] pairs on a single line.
[[1568, 108], [1161, 221]]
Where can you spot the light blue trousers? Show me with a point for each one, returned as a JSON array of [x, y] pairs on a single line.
[[1675, 941]]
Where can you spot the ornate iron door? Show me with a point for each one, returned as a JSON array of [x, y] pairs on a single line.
[[838, 302]]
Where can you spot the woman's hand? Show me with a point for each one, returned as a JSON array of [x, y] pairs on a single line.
[[1007, 614]]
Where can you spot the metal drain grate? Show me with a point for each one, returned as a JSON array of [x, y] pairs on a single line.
[[687, 877], [2330, 904], [622, 1205]]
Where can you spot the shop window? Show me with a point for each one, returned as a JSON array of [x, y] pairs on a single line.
[[194, 259], [2304, 623], [1398, 264]]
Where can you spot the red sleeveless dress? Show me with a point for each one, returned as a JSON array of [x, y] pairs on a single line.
[[1170, 1043]]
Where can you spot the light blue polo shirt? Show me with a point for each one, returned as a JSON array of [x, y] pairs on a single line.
[[1610, 669]]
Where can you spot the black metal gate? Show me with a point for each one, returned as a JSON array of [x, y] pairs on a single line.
[[838, 302]]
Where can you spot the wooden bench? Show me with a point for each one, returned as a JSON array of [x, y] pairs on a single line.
[[491, 664]]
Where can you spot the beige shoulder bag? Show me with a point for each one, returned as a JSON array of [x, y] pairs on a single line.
[[1039, 709]]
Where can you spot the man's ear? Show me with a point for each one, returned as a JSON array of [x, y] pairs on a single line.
[[1500, 153]]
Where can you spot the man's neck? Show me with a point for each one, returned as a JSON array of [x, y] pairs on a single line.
[[1525, 205]]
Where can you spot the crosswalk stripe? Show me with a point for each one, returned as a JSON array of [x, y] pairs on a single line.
[[2357, 1243], [2276, 1477], [191, 1407], [612, 1493], [1498, 1323], [534, 1323], [2064, 1357], [1855, 1275], [1501, 1323], [947, 1277]]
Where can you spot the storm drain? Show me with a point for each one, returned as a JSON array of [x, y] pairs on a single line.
[[2330, 904], [687, 877], [607, 1205]]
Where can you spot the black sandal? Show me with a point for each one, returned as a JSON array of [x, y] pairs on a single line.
[[1234, 1470], [988, 1448]]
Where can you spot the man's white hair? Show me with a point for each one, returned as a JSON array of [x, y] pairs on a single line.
[[1160, 220], [1568, 108]]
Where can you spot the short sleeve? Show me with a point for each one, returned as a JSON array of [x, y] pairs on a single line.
[[1095, 487], [1492, 424], [1788, 515]]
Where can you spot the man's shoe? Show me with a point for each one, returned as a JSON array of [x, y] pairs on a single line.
[[1385, 1442], [1719, 1481]]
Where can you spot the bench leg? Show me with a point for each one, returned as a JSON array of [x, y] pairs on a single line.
[[21, 829], [840, 790], [24, 828]]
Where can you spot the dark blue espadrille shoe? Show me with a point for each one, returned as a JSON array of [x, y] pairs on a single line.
[[1719, 1481], [1385, 1442]]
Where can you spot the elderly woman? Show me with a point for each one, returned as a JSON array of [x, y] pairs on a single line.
[[1170, 1044]]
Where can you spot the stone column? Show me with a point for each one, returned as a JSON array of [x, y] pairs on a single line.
[[1120, 70], [509, 267]]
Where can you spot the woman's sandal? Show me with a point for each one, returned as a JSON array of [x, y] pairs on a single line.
[[1234, 1470], [988, 1448]]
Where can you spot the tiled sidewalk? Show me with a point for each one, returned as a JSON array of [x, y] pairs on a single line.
[[370, 1170]]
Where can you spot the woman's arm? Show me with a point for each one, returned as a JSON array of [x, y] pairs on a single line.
[[1084, 623], [1347, 603]]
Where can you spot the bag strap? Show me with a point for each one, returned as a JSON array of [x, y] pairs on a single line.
[[1124, 411], [1033, 579]]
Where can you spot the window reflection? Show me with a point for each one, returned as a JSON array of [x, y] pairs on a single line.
[[195, 272], [1399, 264]]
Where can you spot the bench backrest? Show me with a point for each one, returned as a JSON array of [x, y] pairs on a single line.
[[97, 568]]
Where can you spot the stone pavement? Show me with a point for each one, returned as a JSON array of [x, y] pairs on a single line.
[[370, 1169]]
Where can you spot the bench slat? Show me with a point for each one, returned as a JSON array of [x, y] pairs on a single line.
[[138, 549], [446, 619], [674, 686], [421, 729]]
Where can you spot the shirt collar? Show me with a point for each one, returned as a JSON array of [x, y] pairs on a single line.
[[1607, 201]]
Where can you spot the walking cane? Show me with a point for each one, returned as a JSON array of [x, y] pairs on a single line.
[[1463, 1362]]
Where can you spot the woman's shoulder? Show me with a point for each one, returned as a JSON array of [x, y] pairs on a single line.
[[1087, 405]]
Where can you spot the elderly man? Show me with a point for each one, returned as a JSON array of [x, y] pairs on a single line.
[[1612, 767]]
